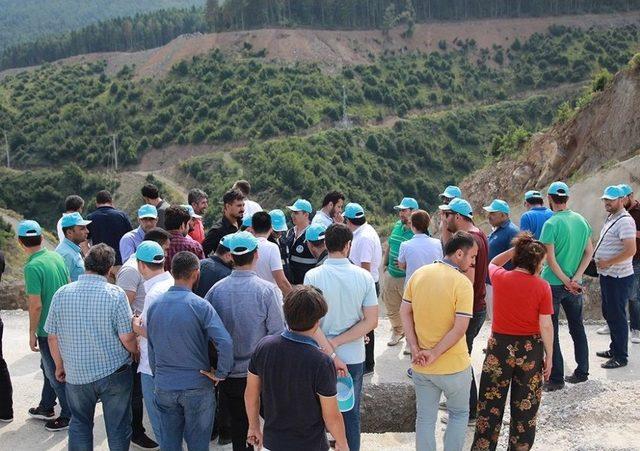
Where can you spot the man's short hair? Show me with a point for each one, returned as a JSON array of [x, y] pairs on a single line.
[[303, 307], [175, 217], [243, 186], [332, 197], [73, 203], [244, 259], [150, 191], [100, 259], [420, 220], [31, 241], [261, 222], [222, 249], [357, 221], [195, 195], [104, 197], [158, 235], [535, 201], [152, 266], [459, 241], [336, 237], [559, 199], [232, 195], [64, 230], [184, 264]]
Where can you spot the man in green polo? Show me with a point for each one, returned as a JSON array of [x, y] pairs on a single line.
[[393, 277]]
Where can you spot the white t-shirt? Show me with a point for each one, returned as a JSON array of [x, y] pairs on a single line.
[[268, 259], [155, 287], [366, 248], [251, 207], [419, 251]]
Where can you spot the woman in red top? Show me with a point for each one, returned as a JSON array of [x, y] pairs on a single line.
[[520, 348]]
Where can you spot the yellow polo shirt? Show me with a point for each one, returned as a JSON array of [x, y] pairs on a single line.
[[438, 293]]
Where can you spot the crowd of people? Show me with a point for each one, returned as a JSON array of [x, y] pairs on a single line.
[[260, 334]]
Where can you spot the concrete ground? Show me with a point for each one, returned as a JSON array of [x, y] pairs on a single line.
[[600, 414]]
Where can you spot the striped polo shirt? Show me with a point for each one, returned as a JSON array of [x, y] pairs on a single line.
[[399, 234], [611, 243]]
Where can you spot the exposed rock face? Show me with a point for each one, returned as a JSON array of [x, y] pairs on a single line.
[[12, 296], [388, 407]]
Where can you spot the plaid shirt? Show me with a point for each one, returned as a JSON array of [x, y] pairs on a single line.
[[87, 316], [181, 243]]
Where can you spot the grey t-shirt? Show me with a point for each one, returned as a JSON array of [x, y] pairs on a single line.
[[129, 279]]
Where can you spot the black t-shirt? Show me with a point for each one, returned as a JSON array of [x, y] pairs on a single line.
[[293, 374]]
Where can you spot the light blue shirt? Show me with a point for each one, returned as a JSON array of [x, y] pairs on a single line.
[[72, 256], [130, 242], [347, 289], [419, 251], [87, 317]]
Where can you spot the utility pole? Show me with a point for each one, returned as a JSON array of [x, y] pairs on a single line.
[[115, 152], [6, 143]]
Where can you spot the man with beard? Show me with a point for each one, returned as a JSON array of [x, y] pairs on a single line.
[[232, 214], [177, 222], [331, 210], [199, 201]]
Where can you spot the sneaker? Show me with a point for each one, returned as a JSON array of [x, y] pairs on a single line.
[[395, 339], [7, 419], [144, 442], [471, 423], [605, 354], [41, 414], [410, 372], [367, 371], [442, 405], [635, 336], [552, 386], [575, 379], [604, 330], [406, 351], [222, 440], [59, 424], [612, 364]]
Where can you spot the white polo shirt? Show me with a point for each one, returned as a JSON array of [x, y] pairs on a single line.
[[419, 251], [268, 259], [366, 248]]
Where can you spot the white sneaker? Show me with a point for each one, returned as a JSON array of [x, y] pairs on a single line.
[[635, 336], [604, 330], [395, 339]]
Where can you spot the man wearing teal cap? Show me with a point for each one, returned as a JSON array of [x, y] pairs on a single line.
[[147, 220], [536, 215], [301, 259], [279, 222], [451, 192], [503, 229], [269, 265], [567, 237], [633, 207], [331, 210], [75, 232], [393, 278], [315, 240]]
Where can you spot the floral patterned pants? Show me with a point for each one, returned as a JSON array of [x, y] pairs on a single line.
[[512, 361]]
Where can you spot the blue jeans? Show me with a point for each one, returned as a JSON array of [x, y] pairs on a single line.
[[475, 324], [148, 393], [115, 393], [615, 295], [187, 414], [48, 396], [429, 388], [572, 306], [352, 417], [49, 368], [634, 298]]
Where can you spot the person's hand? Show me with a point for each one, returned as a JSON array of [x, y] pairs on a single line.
[[254, 437], [338, 218], [366, 339], [211, 375], [546, 367], [136, 323], [424, 357], [576, 286], [571, 287], [341, 446], [341, 367], [33, 343], [135, 356], [61, 375]]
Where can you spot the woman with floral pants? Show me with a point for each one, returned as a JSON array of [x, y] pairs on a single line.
[[519, 352]]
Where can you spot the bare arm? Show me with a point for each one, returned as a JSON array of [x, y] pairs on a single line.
[[555, 267], [586, 259], [546, 330], [385, 257], [54, 349], [503, 258], [252, 406], [360, 329], [281, 281], [628, 252], [333, 421], [129, 342], [406, 315], [366, 265], [329, 349], [401, 265], [131, 296], [35, 309]]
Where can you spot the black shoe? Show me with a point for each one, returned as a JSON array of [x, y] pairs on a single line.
[[144, 442], [605, 354], [367, 371], [224, 440], [575, 379], [6, 419], [552, 386], [59, 424], [613, 363], [41, 414]]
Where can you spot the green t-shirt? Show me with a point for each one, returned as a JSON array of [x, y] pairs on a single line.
[[568, 232], [399, 234], [44, 273]]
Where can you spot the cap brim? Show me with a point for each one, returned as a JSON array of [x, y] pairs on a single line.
[[149, 216], [85, 222], [444, 207], [607, 197], [197, 216], [281, 229], [292, 208]]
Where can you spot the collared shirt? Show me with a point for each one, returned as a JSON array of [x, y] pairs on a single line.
[[322, 218], [301, 259], [534, 219], [162, 209], [419, 251], [366, 248], [87, 317], [215, 234], [250, 310], [129, 279], [347, 289], [130, 242], [198, 230], [611, 243], [72, 256], [634, 211], [500, 241], [179, 243], [399, 234], [180, 325], [212, 270], [108, 226], [154, 287]]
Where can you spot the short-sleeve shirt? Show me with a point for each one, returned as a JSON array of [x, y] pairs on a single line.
[[419, 251], [44, 272], [129, 279], [72, 256], [569, 232], [438, 293], [500, 239], [180, 243], [162, 210], [399, 234], [617, 228], [268, 259], [366, 248], [87, 316], [481, 271], [293, 373], [534, 219], [347, 289], [130, 242], [634, 211], [518, 301]]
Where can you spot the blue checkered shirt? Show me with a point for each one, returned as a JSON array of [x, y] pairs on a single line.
[[87, 316]]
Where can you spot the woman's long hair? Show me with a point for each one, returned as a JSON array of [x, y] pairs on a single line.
[[529, 252]]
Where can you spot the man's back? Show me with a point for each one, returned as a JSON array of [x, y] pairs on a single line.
[[129, 279], [212, 270], [179, 243], [268, 260], [534, 219], [366, 247], [108, 226]]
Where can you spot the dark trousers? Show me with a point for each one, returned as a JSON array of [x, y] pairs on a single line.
[[222, 422], [49, 366], [634, 298], [137, 429], [475, 324], [512, 361], [615, 295], [369, 348], [232, 396], [6, 390], [572, 306]]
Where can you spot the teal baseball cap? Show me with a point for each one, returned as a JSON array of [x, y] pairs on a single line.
[[532, 195], [247, 221], [191, 211], [408, 203], [73, 219], [558, 189], [498, 206], [150, 252], [626, 189], [225, 240], [451, 192], [612, 192], [278, 220], [241, 243], [353, 211], [346, 395], [147, 211], [460, 206], [315, 232], [301, 205], [29, 228]]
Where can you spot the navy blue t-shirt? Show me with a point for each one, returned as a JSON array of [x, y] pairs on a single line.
[[293, 372]]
